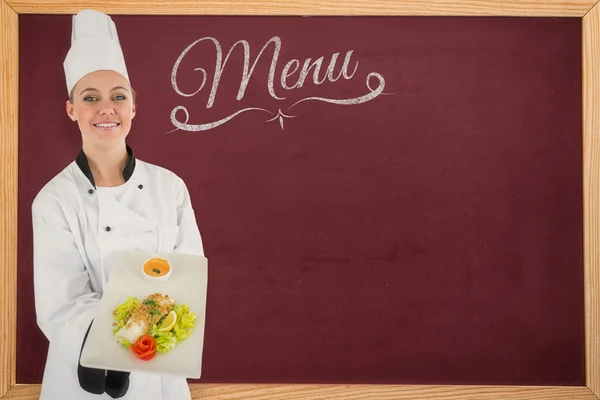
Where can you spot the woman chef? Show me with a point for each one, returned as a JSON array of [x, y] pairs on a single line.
[[104, 202]]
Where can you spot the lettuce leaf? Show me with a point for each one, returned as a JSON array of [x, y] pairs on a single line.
[[165, 341], [185, 319], [123, 311]]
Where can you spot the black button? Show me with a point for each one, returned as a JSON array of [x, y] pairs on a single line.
[[91, 191], [108, 229], [140, 186]]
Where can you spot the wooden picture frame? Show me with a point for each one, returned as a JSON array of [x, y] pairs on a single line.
[[587, 10]]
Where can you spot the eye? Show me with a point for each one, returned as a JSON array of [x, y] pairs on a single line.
[[90, 98], [119, 97]]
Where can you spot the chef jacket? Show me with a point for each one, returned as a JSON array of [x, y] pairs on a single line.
[[77, 228]]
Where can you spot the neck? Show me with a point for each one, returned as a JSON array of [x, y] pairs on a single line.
[[107, 164]]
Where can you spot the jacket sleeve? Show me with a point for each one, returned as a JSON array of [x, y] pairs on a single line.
[[65, 302], [189, 240]]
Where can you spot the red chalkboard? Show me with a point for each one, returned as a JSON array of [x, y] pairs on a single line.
[[409, 213]]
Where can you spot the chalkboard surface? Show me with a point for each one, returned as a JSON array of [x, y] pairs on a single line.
[[382, 200]]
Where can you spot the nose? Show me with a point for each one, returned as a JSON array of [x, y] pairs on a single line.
[[105, 107]]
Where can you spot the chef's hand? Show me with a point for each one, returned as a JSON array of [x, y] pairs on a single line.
[[116, 383], [98, 381]]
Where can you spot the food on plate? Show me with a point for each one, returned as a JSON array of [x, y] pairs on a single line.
[[147, 313], [144, 348], [158, 317], [156, 269]]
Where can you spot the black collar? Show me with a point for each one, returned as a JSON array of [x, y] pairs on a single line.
[[84, 166]]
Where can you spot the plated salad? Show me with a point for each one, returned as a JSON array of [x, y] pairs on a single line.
[[156, 323]]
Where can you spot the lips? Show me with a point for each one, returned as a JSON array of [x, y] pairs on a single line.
[[106, 125]]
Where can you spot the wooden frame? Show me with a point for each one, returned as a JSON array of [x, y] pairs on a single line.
[[587, 10]]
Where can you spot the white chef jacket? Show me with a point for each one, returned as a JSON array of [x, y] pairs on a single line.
[[76, 229]]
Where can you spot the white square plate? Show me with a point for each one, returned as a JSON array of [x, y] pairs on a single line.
[[187, 285]]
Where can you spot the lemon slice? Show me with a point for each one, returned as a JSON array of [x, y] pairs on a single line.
[[169, 322]]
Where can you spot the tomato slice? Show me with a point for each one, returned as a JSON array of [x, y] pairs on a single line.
[[147, 356], [144, 348], [143, 344]]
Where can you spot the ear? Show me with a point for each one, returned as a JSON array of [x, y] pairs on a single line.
[[132, 111], [70, 110]]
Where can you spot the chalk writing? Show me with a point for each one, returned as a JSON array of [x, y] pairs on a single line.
[[286, 81]]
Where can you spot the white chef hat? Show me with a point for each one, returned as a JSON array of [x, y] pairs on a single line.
[[94, 47]]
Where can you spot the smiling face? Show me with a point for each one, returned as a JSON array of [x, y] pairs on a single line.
[[102, 104]]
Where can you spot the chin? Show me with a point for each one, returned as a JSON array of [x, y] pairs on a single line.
[[107, 140]]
